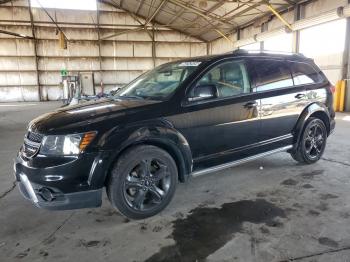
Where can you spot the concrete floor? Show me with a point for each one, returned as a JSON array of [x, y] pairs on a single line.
[[281, 212]]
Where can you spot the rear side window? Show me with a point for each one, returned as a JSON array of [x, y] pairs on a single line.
[[271, 75], [304, 74]]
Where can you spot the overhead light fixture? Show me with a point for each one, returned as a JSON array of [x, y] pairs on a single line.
[[321, 19]]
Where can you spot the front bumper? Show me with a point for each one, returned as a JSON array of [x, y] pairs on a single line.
[[46, 198], [62, 184]]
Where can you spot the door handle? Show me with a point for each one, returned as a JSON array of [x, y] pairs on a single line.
[[250, 104], [300, 96]]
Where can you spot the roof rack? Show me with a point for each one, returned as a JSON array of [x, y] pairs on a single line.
[[244, 51]]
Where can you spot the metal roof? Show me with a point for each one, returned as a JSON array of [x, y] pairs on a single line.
[[203, 19]]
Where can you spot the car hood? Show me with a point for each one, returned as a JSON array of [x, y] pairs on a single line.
[[87, 115]]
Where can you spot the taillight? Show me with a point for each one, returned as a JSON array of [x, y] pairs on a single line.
[[332, 88]]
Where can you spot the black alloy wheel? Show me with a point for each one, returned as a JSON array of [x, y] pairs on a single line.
[[312, 142], [142, 182], [147, 184]]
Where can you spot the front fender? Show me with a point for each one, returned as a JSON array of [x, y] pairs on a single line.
[[311, 109], [156, 132]]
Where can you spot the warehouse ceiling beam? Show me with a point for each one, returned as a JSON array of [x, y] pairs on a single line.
[[251, 7], [153, 35], [162, 3], [135, 17], [102, 26], [206, 17], [240, 6], [142, 27], [287, 2], [73, 24], [173, 10], [179, 14], [159, 24], [198, 11], [123, 32], [275, 12], [211, 9], [290, 2], [138, 8], [15, 34], [53, 20]]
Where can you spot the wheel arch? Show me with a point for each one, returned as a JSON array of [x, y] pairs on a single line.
[[168, 139], [317, 110]]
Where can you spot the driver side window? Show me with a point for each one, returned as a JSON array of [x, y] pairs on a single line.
[[229, 78]]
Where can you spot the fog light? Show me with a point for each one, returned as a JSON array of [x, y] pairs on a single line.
[[46, 194]]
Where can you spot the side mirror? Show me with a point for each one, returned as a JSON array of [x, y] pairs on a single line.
[[204, 92]]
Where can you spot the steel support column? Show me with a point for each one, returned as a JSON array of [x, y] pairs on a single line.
[[35, 50], [346, 65], [99, 44], [153, 46], [298, 14], [276, 13], [264, 28], [238, 35]]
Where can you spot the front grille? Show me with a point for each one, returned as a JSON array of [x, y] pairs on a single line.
[[35, 137], [31, 144], [29, 150]]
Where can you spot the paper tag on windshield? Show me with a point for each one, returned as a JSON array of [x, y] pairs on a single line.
[[191, 63]]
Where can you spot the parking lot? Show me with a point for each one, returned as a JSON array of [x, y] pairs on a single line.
[[217, 216]]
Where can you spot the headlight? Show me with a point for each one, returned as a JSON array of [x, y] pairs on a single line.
[[66, 144]]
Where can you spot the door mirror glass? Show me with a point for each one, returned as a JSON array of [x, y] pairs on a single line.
[[203, 92]]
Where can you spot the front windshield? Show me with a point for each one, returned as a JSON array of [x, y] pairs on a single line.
[[160, 82]]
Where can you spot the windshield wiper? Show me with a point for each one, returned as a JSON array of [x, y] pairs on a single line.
[[131, 97]]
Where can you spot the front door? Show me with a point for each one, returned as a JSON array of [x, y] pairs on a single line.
[[219, 129]]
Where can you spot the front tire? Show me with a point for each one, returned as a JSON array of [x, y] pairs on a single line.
[[142, 182], [312, 142]]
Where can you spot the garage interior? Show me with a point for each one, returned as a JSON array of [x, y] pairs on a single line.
[[103, 45]]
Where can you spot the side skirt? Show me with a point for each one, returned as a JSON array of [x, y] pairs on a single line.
[[238, 162]]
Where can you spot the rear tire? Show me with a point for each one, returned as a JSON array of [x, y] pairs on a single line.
[[142, 182], [312, 142]]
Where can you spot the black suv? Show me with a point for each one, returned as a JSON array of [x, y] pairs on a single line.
[[182, 119]]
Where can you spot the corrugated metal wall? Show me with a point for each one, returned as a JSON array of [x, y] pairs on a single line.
[[119, 60], [123, 57]]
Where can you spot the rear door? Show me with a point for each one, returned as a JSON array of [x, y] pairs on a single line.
[[311, 78], [281, 101]]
